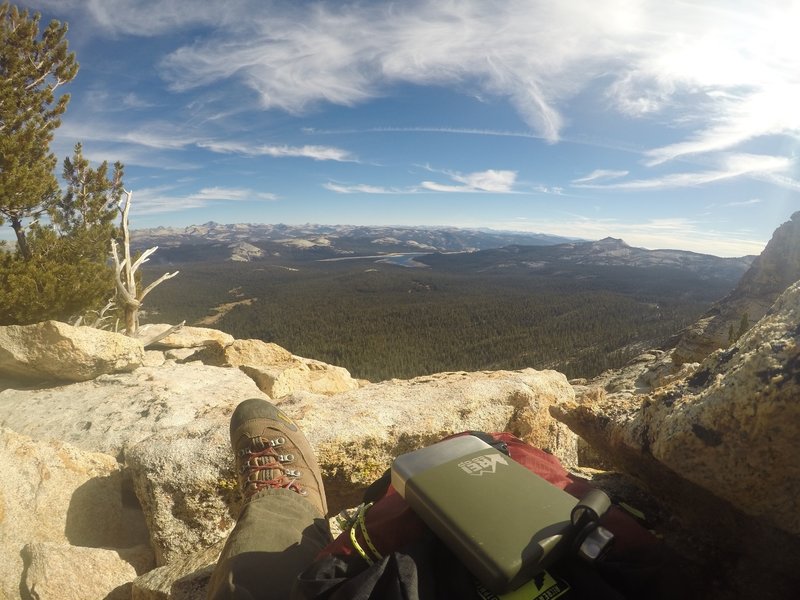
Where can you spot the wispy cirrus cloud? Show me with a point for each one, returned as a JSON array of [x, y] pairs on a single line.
[[599, 175], [167, 136], [739, 118], [351, 53], [222, 193], [781, 180], [554, 190], [655, 57], [715, 74], [362, 188], [489, 181], [279, 151], [732, 165], [168, 198], [99, 100], [652, 56], [751, 202], [148, 18], [446, 130], [156, 134]]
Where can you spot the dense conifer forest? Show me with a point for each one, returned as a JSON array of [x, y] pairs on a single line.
[[382, 321]]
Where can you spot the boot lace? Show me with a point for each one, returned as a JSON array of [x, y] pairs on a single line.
[[255, 461]]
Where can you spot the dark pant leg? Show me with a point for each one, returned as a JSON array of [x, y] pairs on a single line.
[[276, 537]]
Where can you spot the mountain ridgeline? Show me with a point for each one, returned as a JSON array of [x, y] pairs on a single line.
[[392, 302]]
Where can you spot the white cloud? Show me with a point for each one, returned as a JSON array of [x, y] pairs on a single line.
[[751, 202], [307, 151], [98, 151], [166, 199], [739, 119], [652, 56], [600, 174], [780, 180], [149, 17], [544, 189], [279, 151], [160, 135], [489, 181], [364, 189], [220, 193], [725, 73], [352, 52], [133, 100], [450, 130], [733, 165], [499, 182], [166, 136]]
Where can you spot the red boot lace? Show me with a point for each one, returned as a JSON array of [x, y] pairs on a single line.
[[252, 466]]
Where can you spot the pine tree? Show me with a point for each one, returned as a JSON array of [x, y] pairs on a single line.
[[91, 197], [60, 268], [67, 272], [31, 69]]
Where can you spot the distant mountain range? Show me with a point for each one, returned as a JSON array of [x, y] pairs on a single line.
[[340, 239], [461, 249], [608, 252]]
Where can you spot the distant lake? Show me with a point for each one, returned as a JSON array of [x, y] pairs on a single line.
[[399, 259]]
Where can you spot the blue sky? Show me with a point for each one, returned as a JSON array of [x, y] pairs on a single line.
[[668, 124]]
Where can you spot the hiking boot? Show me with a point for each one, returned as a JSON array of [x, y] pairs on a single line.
[[271, 452]]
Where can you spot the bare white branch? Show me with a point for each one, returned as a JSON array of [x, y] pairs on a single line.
[[143, 258], [125, 271], [163, 334], [164, 277]]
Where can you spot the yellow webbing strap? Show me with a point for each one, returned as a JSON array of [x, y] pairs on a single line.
[[360, 521]]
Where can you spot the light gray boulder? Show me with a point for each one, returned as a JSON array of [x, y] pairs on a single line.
[[278, 372], [153, 358], [185, 337], [63, 572], [184, 479], [184, 579], [56, 351], [54, 492], [181, 354], [113, 411]]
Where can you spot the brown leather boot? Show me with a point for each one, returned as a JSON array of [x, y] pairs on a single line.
[[271, 452]]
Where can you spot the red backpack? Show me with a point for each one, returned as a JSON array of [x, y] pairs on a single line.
[[387, 552]]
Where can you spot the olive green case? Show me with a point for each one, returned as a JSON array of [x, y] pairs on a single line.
[[502, 521]]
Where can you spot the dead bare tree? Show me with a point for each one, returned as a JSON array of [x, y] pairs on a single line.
[[129, 299]]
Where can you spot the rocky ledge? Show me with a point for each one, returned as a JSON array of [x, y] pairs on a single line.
[[117, 457], [128, 468], [715, 442]]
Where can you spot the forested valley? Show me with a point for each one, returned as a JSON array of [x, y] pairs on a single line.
[[382, 321]]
